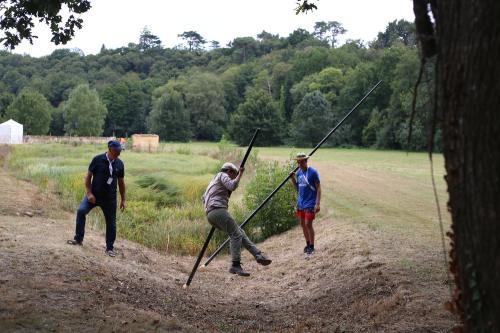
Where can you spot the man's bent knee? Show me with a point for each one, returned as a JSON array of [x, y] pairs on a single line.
[[236, 234]]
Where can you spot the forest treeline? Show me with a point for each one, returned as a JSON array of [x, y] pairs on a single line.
[[294, 88]]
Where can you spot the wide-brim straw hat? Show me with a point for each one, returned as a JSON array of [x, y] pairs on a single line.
[[301, 156]]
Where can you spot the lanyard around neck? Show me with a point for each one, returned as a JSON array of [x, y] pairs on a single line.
[[304, 176], [110, 165]]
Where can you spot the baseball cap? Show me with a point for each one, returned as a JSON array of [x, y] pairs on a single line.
[[228, 166], [113, 144]]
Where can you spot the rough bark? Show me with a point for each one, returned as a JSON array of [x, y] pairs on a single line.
[[469, 100]]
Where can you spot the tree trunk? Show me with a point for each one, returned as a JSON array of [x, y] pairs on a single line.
[[469, 101]]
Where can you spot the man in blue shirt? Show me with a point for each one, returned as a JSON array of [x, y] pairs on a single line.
[[307, 185], [105, 172]]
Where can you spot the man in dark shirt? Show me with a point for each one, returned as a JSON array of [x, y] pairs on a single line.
[[105, 172]]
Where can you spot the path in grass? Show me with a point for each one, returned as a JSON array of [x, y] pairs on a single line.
[[376, 269]]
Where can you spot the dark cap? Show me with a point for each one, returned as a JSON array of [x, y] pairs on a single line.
[[113, 144]]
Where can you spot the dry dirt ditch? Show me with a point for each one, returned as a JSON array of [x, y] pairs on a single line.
[[352, 284]]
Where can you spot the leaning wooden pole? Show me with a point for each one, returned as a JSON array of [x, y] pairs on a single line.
[[289, 175], [212, 230]]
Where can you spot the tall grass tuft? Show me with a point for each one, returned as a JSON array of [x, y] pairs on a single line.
[[161, 191], [183, 150]]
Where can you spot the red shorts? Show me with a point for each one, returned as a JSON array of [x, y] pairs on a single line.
[[305, 214]]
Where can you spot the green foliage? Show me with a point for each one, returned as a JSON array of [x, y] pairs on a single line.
[[244, 48], [193, 39], [31, 109], [18, 16], [280, 73], [329, 82], [235, 81], [5, 99], [258, 111], [270, 42], [277, 215], [397, 32], [310, 61], [214, 83], [311, 120], [357, 83], [370, 131], [204, 99], [85, 113], [391, 123], [148, 41], [328, 31], [57, 121], [299, 36], [305, 6], [169, 118], [58, 85], [128, 102], [16, 80]]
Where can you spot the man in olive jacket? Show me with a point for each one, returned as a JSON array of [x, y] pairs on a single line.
[[216, 200]]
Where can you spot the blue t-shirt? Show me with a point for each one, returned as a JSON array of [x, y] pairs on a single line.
[[307, 188]]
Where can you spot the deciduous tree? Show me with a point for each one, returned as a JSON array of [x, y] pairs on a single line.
[[258, 111], [31, 109], [311, 120], [204, 99], [169, 117], [85, 113]]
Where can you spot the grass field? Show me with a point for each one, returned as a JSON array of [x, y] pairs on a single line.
[[385, 191]]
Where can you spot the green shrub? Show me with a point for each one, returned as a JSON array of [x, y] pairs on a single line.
[[277, 215]]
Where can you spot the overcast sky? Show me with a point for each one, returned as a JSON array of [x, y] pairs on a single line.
[[116, 23]]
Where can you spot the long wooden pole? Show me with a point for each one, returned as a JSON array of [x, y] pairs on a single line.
[[211, 233], [290, 174]]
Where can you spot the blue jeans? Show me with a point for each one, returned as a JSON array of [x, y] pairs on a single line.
[[109, 210]]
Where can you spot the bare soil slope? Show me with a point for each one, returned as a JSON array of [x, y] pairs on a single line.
[[354, 283]]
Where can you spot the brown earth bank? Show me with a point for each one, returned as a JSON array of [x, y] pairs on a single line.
[[355, 282]]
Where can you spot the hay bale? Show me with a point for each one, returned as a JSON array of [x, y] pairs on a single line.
[[145, 142]]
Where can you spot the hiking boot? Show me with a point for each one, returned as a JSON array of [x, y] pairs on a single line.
[[74, 242], [310, 250], [262, 260], [238, 270], [110, 252]]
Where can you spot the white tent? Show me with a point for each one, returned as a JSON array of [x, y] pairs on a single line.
[[11, 132]]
